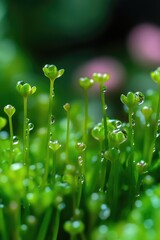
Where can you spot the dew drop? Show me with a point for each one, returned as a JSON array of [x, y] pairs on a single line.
[[52, 119], [50, 135], [80, 160], [30, 126], [53, 94], [104, 89], [118, 124], [81, 178], [15, 140], [106, 107], [140, 97], [133, 122], [27, 120]]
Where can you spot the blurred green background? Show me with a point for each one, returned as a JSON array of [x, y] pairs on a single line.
[[120, 37]]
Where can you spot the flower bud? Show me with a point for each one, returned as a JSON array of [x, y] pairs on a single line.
[[98, 132], [155, 75], [54, 145], [9, 110], [131, 100], [86, 83], [101, 78], [51, 71], [25, 89], [67, 107]]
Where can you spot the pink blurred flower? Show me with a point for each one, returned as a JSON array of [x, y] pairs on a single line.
[[103, 65], [144, 44]]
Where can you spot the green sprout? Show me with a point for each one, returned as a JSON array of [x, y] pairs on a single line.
[[101, 79], [131, 100], [10, 110], [25, 90], [51, 72]]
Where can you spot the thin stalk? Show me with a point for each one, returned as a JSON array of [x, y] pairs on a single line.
[[155, 129], [25, 149], [67, 136], [104, 108], [131, 165], [146, 143], [131, 131], [11, 138], [2, 225], [85, 135], [51, 95], [56, 225], [44, 226], [16, 216]]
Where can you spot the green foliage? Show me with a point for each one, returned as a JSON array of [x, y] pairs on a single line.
[[77, 179]]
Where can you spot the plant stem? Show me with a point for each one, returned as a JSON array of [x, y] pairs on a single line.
[[131, 131], [44, 226], [51, 95], [56, 225], [85, 117], [67, 136], [2, 225], [11, 138], [155, 129], [104, 108], [25, 129]]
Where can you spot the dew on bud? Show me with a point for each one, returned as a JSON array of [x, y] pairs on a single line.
[[140, 97]]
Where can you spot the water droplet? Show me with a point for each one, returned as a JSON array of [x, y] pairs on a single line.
[[52, 119], [125, 133], [30, 126], [27, 120], [140, 97], [118, 124], [53, 94], [15, 140], [104, 89], [80, 160], [133, 122], [81, 178], [106, 107], [50, 136]]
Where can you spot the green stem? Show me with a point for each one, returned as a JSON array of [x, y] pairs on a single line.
[[85, 118], [155, 129], [131, 131], [11, 138], [104, 108], [2, 225], [51, 95], [56, 225], [67, 136], [25, 129], [44, 226]]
